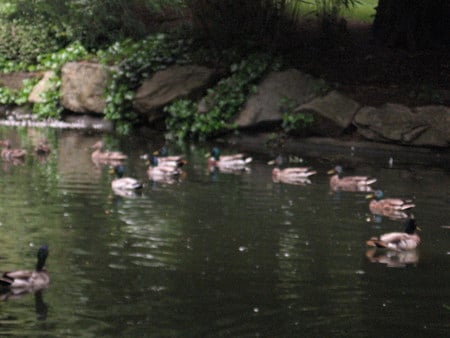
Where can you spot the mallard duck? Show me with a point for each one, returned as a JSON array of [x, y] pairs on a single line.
[[161, 171], [297, 175], [126, 184], [407, 240], [42, 148], [349, 183], [390, 207], [235, 162], [9, 154], [98, 155], [28, 280], [170, 161]]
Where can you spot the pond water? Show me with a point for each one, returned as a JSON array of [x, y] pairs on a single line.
[[216, 254]]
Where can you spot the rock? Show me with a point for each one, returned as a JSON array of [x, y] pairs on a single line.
[[15, 80], [83, 87], [265, 105], [170, 84], [332, 113], [41, 87], [425, 126]]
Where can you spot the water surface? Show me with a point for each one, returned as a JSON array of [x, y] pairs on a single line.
[[216, 254]]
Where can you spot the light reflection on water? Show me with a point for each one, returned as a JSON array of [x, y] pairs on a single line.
[[217, 254]]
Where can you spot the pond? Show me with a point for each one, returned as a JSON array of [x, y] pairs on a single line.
[[216, 254]]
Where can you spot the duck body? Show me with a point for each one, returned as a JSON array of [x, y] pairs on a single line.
[[9, 154], [164, 170], [99, 155], [398, 241], [42, 148], [235, 162], [349, 183], [298, 175], [121, 183], [28, 280], [390, 207]]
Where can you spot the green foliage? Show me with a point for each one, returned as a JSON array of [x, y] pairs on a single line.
[[293, 121], [21, 42], [17, 97], [223, 101], [54, 61], [50, 107], [140, 59]]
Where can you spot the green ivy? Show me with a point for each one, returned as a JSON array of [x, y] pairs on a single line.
[[293, 121], [17, 97], [139, 60], [222, 101]]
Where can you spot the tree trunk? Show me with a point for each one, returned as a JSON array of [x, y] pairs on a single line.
[[412, 24]]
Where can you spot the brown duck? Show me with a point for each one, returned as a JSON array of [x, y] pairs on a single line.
[[390, 207], [349, 183], [9, 154], [98, 155]]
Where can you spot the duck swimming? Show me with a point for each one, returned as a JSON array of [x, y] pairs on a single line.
[[124, 184], [390, 207], [9, 154], [42, 148], [349, 183], [28, 280], [98, 155], [164, 171], [297, 175], [399, 241], [235, 162]]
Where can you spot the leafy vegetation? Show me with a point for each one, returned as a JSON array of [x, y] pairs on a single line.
[[139, 60], [222, 101], [43, 35]]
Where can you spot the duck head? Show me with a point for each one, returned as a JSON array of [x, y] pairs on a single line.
[[411, 225], [119, 170], [337, 170], [42, 255], [215, 153]]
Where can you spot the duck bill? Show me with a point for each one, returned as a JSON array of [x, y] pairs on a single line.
[[369, 196], [331, 172]]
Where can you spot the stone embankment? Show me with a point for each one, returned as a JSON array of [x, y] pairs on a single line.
[[335, 114]]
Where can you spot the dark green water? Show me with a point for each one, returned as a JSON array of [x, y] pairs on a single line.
[[215, 255]]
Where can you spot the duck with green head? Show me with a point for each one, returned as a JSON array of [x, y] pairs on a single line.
[[124, 184], [28, 280], [399, 241], [234, 162], [390, 207], [163, 171], [349, 183]]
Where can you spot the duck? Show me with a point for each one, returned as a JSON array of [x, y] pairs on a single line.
[[42, 148], [9, 154], [124, 184], [298, 175], [28, 280], [349, 183], [165, 170], [235, 162], [390, 207], [398, 241], [98, 155], [171, 161]]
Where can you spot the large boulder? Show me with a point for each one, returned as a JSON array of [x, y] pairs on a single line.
[[170, 84], [83, 86], [332, 114], [265, 105], [425, 126]]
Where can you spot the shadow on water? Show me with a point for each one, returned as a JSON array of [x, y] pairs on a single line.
[[217, 254]]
